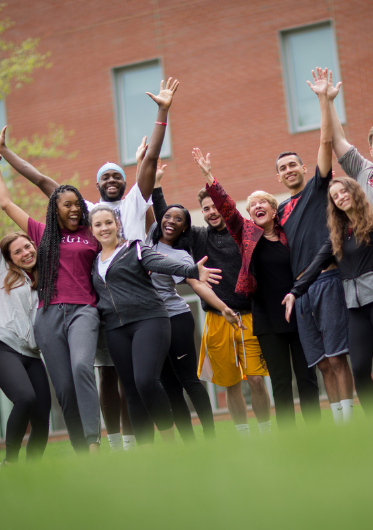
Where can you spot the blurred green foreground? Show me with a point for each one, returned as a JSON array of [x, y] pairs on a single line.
[[317, 478]]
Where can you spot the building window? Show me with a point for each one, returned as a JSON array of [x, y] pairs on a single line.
[[302, 50], [137, 111]]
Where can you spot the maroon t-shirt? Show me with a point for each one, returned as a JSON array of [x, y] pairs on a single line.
[[77, 252]]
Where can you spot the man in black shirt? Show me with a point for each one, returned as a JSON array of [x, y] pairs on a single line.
[[226, 355], [321, 313]]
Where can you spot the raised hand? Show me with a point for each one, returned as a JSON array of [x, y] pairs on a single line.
[[232, 318], [288, 302], [320, 80], [2, 137], [203, 163], [141, 150], [160, 172], [208, 275], [333, 91], [166, 94]]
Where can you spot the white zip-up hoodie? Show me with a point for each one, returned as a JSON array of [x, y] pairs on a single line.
[[17, 315]]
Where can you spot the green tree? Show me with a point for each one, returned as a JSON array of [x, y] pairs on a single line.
[[17, 63]]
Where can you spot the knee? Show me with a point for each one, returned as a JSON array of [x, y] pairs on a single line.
[[256, 383], [339, 363], [325, 367], [108, 377], [234, 390], [83, 372], [147, 387], [26, 401]]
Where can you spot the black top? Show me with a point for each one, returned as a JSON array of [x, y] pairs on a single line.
[[128, 294], [271, 266], [223, 253], [303, 218]]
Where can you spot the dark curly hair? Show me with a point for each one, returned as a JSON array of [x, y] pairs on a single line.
[[49, 247], [183, 242], [339, 222]]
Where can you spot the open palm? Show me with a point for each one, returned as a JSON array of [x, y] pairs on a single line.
[[166, 93]]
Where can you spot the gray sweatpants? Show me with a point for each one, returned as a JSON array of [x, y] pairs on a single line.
[[67, 337]]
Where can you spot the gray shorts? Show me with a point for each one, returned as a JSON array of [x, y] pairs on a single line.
[[322, 318], [102, 353]]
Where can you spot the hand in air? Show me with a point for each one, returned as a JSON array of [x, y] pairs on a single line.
[[288, 302], [208, 275], [2, 137], [160, 172], [320, 80], [333, 91], [203, 163], [232, 318], [141, 150], [164, 98]]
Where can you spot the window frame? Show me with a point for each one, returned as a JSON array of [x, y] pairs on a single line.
[[287, 75]]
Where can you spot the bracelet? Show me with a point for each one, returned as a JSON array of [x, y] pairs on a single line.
[[160, 123]]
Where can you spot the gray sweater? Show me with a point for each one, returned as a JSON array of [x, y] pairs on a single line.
[[128, 294], [17, 315]]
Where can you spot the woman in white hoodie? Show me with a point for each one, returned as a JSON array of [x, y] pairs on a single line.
[[23, 378]]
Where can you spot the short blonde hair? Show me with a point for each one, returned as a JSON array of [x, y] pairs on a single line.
[[262, 195]]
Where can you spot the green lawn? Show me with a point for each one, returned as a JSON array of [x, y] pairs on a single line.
[[307, 479]]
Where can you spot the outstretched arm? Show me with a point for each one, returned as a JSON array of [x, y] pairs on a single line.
[[12, 210], [214, 301], [46, 184], [149, 165], [320, 88], [340, 144], [140, 153]]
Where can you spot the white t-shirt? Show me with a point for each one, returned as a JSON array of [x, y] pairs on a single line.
[[131, 212], [104, 265]]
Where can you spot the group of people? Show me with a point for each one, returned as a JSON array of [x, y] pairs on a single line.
[[96, 286]]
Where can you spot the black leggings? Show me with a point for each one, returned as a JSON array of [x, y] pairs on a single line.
[[360, 337], [180, 372], [138, 351], [24, 381], [277, 350]]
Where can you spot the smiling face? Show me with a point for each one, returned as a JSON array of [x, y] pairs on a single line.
[[105, 228], [341, 197], [173, 224], [23, 254], [68, 211], [291, 173], [261, 212], [111, 186], [211, 215]]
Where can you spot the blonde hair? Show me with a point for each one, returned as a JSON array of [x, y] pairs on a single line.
[[262, 195]]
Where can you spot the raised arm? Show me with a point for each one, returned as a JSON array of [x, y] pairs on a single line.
[[214, 301], [320, 88], [148, 168], [12, 210], [46, 184], [140, 153], [340, 144]]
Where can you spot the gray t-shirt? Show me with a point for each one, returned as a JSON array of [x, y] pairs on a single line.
[[165, 284], [360, 169]]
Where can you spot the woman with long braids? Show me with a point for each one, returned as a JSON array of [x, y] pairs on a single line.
[[171, 237], [66, 325], [350, 221], [23, 378], [137, 325]]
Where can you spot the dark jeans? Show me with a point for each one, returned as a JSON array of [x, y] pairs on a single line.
[[139, 350], [361, 353], [180, 372], [24, 381], [278, 349]]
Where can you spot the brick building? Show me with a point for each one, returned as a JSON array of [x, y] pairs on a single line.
[[242, 67]]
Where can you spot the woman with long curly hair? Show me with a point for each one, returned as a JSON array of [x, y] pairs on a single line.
[[66, 325], [350, 221], [23, 378]]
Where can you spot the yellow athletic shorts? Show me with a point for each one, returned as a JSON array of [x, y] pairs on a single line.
[[223, 352]]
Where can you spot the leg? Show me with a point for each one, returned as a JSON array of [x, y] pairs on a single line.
[[39, 419], [110, 398], [184, 362], [16, 385], [56, 354], [276, 353], [150, 346], [259, 398], [180, 410], [330, 380], [236, 404], [82, 332], [119, 342], [308, 388], [343, 376], [361, 352]]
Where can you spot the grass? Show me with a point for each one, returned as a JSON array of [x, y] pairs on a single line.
[[307, 479]]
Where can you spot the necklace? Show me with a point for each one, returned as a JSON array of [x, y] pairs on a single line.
[[270, 237]]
